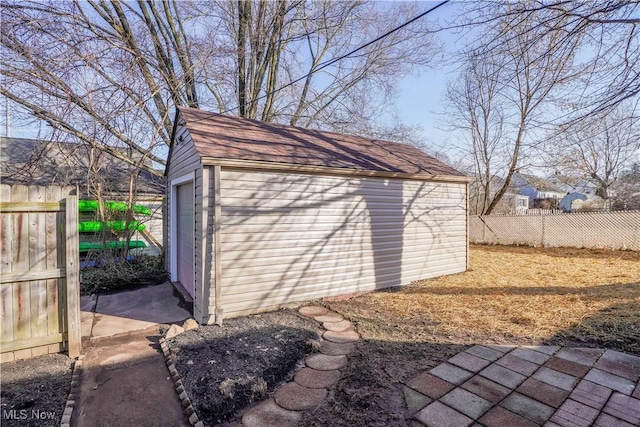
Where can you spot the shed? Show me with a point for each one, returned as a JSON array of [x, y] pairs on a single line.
[[261, 215]]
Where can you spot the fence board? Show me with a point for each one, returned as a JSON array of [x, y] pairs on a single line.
[[613, 230], [73, 276], [53, 260], [39, 260], [6, 251]]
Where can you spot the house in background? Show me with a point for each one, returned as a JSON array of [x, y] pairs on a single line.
[[535, 188], [33, 162], [261, 215]]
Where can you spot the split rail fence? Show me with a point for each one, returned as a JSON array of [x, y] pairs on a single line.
[[39, 280], [613, 230]]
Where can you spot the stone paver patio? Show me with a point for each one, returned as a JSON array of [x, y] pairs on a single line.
[[528, 386], [485, 385]]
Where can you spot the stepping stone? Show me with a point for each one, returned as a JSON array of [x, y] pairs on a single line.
[[313, 310], [268, 414], [414, 400], [341, 337], [294, 397], [313, 378], [343, 325], [335, 349], [323, 362], [331, 316]]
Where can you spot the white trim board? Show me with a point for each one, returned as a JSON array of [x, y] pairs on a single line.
[[173, 235]]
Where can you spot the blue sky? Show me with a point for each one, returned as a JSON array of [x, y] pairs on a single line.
[[421, 97]]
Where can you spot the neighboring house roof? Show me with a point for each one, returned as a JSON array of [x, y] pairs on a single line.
[[521, 180], [33, 162], [234, 138]]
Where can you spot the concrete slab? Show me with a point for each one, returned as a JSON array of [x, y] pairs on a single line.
[[108, 326], [503, 376], [269, 414], [414, 400], [430, 385], [86, 323], [543, 392], [467, 403], [555, 378], [584, 356], [294, 397], [528, 408], [324, 362], [451, 373], [153, 304], [486, 388], [490, 354], [469, 362], [531, 355], [437, 414], [611, 381]]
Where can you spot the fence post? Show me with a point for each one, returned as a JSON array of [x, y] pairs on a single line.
[[73, 275], [543, 229]]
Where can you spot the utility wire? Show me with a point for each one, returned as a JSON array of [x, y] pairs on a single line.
[[330, 62]]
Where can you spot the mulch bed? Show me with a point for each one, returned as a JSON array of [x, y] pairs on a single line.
[[225, 369], [34, 391]]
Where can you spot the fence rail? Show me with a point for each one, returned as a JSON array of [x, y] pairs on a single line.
[[39, 280], [614, 230]]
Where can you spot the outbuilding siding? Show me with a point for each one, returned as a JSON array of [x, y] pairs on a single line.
[[294, 237]]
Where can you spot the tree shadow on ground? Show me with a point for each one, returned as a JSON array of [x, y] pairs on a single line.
[[613, 327], [371, 390]]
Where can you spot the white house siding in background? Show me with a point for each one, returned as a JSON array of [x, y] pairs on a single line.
[[293, 237]]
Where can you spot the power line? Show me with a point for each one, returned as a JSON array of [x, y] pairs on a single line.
[[330, 62]]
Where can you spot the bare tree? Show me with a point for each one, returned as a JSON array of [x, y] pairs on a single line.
[[603, 33], [599, 148], [476, 108], [508, 85], [108, 74]]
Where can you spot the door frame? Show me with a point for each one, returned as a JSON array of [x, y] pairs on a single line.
[[173, 235]]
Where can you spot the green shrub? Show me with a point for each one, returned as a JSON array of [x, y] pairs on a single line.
[[144, 270]]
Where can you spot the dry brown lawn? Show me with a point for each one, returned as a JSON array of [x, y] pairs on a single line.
[[518, 295]]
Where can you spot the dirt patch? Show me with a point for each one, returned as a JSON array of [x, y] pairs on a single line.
[[34, 391], [225, 369], [371, 390]]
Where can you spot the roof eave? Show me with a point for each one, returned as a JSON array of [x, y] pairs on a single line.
[[289, 167]]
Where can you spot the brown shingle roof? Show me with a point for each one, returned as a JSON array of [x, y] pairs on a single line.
[[229, 137]]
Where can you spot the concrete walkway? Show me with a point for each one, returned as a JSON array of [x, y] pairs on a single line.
[[527, 387], [124, 379]]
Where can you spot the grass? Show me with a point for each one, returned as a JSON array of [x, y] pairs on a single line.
[[517, 295]]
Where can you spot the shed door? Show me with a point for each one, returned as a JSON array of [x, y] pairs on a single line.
[[185, 227]]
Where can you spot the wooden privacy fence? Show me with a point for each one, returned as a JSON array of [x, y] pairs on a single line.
[[613, 230], [39, 285]]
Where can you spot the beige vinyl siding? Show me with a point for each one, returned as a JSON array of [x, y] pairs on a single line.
[[185, 159], [294, 237]]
